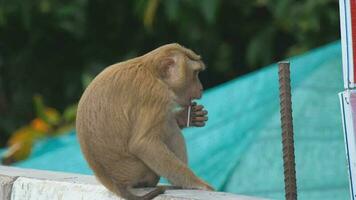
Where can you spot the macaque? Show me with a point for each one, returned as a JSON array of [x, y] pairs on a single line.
[[129, 121]]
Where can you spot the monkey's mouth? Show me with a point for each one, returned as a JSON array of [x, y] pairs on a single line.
[[184, 104], [189, 103]]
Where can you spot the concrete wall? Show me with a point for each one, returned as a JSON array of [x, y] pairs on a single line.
[[26, 184]]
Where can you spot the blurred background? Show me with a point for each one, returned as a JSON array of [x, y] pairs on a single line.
[[51, 49]]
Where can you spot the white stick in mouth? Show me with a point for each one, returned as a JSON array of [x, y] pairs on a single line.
[[188, 120]]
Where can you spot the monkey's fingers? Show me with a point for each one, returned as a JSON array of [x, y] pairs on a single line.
[[209, 188], [197, 107], [203, 186], [200, 113], [200, 119], [193, 103], [198, 124]]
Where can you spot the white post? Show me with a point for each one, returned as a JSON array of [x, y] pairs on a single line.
[[348, 97]]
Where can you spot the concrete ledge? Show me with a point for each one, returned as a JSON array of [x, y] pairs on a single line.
[[6, 183], [26, 184]]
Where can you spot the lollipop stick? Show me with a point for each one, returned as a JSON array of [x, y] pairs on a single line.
[[188, 120]]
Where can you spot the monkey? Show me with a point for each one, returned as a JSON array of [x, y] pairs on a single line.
[[129, 121]]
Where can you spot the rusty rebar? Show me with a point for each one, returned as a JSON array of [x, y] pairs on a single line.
[[290, 185]]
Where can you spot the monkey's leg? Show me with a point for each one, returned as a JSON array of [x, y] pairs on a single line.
[[160, 159]]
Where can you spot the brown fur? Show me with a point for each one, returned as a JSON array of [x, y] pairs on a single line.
[[126, 122]]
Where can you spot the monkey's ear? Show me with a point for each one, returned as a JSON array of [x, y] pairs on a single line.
[[168, 68]]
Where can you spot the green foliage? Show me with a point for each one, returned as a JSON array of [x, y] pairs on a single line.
[[50, 47]]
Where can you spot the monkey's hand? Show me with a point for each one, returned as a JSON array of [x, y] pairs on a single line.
[[203, 186], [198, 116]]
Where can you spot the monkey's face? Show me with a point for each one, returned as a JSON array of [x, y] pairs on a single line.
[[194, 88], [183, 79]]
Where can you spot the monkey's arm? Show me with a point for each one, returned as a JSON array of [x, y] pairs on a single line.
[[198, 116], [156, 155]]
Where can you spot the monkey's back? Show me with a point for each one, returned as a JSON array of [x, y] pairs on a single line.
[[102, 116], [108, 113]]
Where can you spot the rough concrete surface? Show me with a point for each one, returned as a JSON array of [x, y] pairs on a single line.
[[25, 184]]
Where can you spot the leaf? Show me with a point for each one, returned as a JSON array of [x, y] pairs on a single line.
[[140, 6], [40, 126], [86, 79], [64, 129], [49, 115], [2, 16], [209, 9], [45, 6], [53, 116], [281, 9], [172, 8], [71, 17], [260, 49], [223, 58], [26, 14], [39, 107], [150, 13], [70, 113], [20, 145]]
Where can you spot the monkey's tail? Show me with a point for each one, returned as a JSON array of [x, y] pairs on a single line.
[[125, 193]]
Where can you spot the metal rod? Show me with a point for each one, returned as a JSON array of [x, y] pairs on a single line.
[[287, 131]]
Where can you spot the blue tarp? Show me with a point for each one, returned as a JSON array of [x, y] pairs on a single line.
[[240, 149]]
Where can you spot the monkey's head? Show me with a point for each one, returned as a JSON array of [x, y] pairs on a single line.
[[179, 69]]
